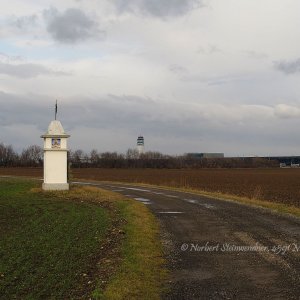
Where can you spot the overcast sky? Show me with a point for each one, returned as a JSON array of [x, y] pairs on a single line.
[[190, 75]]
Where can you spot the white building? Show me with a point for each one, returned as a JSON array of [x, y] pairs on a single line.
[[140, 145], [55, 158]]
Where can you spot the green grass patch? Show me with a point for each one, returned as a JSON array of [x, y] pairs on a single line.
[[47, 243], [51, 240]]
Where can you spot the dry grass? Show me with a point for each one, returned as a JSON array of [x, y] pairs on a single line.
[[141, 274]]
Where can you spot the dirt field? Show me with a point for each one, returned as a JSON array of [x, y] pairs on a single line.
[[278, 185]]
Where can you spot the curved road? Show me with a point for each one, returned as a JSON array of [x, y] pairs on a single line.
[[218, 249]]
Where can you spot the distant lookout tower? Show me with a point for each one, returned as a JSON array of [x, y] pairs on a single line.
[[55, 157], [140, 145]]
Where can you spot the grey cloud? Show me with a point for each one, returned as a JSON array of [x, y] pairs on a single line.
[[28, 70], [288, 67], [24, 22], [177, 69], [174, 127], [71, 26], [158, 8], [112, 113], [115, 112], [19, 110]]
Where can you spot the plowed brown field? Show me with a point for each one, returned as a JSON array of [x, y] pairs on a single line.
[[276, 185]]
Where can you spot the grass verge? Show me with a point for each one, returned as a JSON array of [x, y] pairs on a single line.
[[85, 243], [141, 274]]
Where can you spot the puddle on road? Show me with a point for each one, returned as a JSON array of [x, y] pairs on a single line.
[[172, 196]]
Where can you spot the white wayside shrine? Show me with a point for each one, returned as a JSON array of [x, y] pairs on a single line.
[[55, 157]]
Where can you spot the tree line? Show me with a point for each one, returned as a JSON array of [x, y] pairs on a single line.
[[32, 156]]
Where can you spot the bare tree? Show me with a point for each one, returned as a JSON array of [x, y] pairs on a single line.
[[76, 158], [8, 157], [132, 154], [94, 158], [32, 156]]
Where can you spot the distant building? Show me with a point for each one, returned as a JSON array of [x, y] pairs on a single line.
[[141, 145], [205, 155], [295, 165], [284, 161]]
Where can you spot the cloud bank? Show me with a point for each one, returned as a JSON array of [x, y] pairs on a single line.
[[70, 26], [288, 67], [203, 127], [27, 70], [191, 75], [158, 8]]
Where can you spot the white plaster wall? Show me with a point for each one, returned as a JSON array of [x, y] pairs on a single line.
[[64, 143], [55, 166]]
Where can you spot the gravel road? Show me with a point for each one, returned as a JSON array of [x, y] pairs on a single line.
[[219, 249]]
